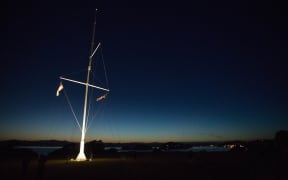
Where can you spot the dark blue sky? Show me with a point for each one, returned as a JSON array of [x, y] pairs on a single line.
[[203, 72]]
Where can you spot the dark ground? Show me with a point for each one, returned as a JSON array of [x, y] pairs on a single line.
[[156, 165]]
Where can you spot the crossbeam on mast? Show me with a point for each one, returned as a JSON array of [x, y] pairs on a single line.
[[71, 80]]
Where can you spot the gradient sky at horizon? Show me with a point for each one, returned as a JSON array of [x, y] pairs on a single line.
[[206, 72]]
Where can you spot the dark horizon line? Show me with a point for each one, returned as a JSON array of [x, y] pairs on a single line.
[[139, 142]]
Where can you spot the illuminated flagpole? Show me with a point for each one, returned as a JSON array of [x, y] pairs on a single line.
[[81, 156]]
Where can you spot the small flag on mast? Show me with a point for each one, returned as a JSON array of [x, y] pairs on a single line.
[[59, 89], [101, 97]]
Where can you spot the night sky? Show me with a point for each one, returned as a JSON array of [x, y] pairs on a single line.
[[197, 72]]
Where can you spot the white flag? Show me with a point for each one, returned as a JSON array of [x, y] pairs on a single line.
[[59, 89]]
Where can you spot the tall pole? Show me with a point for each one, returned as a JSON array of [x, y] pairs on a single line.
[[81, 156]]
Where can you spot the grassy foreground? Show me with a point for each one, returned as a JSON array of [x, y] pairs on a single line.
[[224, 165]]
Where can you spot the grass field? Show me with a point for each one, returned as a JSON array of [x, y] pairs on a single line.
[[201, 165]]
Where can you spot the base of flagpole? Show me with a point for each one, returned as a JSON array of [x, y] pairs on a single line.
[[81, 156]]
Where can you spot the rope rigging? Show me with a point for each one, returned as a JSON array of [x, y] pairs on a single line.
[[71, 108], [91, 112], [89, 120], [97, 112], [105, 72]]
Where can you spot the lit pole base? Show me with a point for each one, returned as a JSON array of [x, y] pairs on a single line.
[[81, 157]]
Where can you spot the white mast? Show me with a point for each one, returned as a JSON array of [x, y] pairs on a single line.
[[81, 156]]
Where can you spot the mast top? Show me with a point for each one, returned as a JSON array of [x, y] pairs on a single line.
[[93, 34]]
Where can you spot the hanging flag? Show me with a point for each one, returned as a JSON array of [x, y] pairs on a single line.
[[101, 97], [59, 89]]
